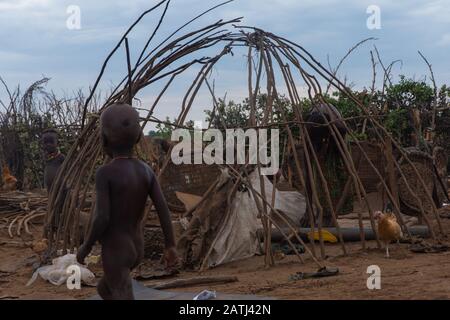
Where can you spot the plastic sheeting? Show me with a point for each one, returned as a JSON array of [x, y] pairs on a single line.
[[237, 239], [57, 273], [142, 292]]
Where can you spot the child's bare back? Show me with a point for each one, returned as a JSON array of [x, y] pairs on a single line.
[[127, 183], [122, 188]]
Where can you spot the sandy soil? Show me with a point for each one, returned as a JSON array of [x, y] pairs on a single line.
[[406, 275]]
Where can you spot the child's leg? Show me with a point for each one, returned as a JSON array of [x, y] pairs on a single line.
[[103, 290], [139, 257], [116, 281], [119, 284]]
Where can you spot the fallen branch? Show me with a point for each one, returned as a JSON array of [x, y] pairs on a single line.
[[8, 297], [190, 282]]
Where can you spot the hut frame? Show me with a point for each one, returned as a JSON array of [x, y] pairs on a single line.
[[276, 56]]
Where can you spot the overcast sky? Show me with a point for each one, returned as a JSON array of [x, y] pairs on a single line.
[[36, 42]]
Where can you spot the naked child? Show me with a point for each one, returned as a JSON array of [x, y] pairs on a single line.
[[122, 188]]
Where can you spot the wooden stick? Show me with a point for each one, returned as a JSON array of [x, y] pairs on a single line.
[[196, 281], [130, 74], [390, 171]]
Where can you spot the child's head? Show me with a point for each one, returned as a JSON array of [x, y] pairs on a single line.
[[120, 129], [50, 140]]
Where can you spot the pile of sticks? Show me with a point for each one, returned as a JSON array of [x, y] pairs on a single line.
[[19, 210]]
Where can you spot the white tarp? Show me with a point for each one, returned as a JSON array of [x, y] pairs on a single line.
[[237, 239], [58, 272]]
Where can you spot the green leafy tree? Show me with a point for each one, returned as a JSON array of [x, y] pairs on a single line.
[[409, 93], [164, 129], [237, 114]]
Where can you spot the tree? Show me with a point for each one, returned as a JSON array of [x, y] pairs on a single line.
[[164, 129], [237, 115]]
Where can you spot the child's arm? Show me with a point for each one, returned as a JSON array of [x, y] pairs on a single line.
[[162, 209], [101, 218], [170, 257]]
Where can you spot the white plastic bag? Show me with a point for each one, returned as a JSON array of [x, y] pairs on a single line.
[[205, 295], [57, 274]]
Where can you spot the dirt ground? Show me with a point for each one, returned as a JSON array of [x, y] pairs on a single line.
[[406, 275]]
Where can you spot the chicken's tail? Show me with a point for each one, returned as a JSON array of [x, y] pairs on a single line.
[[6, 171], [7, 176]]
